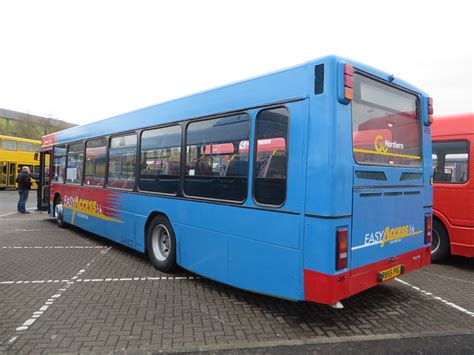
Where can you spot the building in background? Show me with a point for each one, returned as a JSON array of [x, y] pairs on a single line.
[[19, 124]]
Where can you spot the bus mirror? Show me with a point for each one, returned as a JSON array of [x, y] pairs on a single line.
[[36, 156]]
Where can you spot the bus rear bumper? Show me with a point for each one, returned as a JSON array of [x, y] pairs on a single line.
[[329, 289]]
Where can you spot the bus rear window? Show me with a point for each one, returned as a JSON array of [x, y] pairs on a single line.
[[385, 124]]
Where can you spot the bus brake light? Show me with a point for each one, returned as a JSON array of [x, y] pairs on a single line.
[[348, 74], [341, 248], [430, 110], [428, 228]]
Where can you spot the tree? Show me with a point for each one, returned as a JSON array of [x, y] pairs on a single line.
[[33, 127], [27, 126]]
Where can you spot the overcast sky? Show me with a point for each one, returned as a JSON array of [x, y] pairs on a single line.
[[82, 61]]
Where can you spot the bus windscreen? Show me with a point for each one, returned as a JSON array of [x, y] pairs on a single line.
[[385, 124]]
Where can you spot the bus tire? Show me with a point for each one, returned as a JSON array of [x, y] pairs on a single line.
[[440, 248], [161, 244], [59, 213]]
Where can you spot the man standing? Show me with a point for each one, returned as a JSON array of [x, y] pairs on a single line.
[[24, 184]]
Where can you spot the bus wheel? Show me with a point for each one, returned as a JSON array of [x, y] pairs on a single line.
[[59, 214], [440, 242], [161, 244]]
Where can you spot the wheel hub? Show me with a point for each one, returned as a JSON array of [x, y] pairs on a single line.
[[161, 242]]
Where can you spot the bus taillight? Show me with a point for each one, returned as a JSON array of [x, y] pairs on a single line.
[[430, 110], [341, 248], [428, 228], [348, 74]]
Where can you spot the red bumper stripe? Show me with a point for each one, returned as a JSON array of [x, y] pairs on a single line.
[[328, 289]]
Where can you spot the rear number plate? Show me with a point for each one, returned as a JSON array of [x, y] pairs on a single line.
[[390, 273]]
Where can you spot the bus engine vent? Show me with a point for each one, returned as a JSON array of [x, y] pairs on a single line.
[[371, 175], [371, 194], [410, 176], [411, 192], [393, 193]]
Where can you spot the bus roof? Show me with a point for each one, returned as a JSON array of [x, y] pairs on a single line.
[[462, 123], [18, 139], [288, 84]]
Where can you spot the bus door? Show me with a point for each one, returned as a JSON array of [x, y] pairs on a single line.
[[11, 174], [3, 174], [44, 179]]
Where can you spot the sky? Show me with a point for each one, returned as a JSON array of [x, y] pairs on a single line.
[[81, 61]]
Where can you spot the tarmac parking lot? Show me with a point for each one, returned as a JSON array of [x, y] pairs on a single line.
[[66, 290]]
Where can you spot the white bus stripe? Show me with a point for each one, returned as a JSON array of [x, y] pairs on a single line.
[[365, 245]]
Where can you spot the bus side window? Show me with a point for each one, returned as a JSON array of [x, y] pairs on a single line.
[[217, 158], [95, 162], [450, 161], [270, 173], [160, 159], [59, 163], [75, 160], [122, 160]]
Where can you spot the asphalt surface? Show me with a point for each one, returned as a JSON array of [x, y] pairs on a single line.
[[66, 290]]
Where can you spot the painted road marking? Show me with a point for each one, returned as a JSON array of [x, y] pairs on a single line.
[[109, 279], [29, 230], [7, 214], [49, 302], [23, 219], [10, 213], [67, 283], [59, 247], [447, 277], [429, 294]]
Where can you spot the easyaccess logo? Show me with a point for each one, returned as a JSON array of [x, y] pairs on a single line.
[[84, 207], [388, 235]]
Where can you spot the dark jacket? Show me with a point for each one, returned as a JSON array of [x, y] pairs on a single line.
[[23, 180]]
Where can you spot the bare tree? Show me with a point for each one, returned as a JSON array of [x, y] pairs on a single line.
[[27, 126]]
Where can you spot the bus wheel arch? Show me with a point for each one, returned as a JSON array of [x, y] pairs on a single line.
[[440, 241], [160, 242]]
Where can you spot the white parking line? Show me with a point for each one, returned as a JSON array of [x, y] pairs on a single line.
[[109, 279], [7, 214], [10, 213], [429, 294], [447, 277], [22, 219], [59, 247], [37, 314], [30, 230]]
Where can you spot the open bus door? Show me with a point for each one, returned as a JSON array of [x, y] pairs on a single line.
[[11, 174], [44, 179]]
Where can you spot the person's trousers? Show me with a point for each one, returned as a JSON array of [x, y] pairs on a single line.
[[21, 207]]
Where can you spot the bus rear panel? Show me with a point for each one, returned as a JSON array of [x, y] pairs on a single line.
[[380, 192]]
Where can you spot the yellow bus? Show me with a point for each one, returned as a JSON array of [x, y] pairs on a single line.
[[14, 154]]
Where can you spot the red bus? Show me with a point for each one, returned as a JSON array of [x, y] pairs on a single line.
[[453, 186]]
